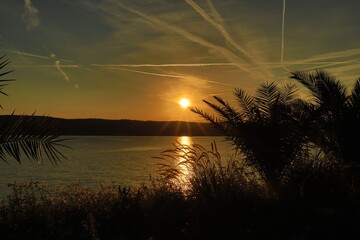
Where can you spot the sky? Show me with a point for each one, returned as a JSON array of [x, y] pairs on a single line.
[[132, 59]]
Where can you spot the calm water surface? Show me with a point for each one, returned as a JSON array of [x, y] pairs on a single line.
[[94, 160]]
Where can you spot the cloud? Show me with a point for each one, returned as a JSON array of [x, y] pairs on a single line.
[[167, 65], [147, 73], [282, 38], [218, 26], [26, 54], [30, 15], [215, 13], [250, 57], [58, 67], [332, 55], [188, 79], [230, 56], [47, 66]]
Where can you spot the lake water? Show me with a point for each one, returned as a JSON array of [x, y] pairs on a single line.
[[93, 160]]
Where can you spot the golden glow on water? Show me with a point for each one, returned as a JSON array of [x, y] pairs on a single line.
[[183, 166], [185, 140]]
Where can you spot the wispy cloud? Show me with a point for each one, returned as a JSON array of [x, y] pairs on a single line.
[[344, 57], [26, 54], [58, 67], [230, 56], [215, 13], [332, 55], [30, 15], [145, 72], [337, 62], [188, 79], [328, 61], [45, 66], [246, 48], [52, 57], [282, 38], [22, 54], [218, 26], [168, 65]]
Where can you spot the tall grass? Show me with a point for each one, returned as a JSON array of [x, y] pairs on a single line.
[[196, 169], [199, 194]]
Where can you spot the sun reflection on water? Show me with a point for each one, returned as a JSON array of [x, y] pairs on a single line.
[[185, 140], [183, 165]]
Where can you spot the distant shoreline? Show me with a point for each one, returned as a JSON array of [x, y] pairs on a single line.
[[104, 127]]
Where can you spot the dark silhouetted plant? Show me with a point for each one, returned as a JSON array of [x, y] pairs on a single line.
[[266, 127], [30, 136], [204, 174], [333, 115]]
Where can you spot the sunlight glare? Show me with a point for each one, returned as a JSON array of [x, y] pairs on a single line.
[[184, 103]]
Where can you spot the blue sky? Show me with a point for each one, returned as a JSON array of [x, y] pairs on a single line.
[[136, 59]]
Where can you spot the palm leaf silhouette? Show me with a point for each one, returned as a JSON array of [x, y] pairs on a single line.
[[261, 128], [246, 103], [334, 114], [27, 135]]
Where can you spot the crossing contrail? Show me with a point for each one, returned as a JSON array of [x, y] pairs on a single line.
[[215, 13], [58, 67], [196, 39], [220, 28], [22, 54], [282, 38]]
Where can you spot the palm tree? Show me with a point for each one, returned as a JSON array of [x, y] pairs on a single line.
[[333, 115], [26, 135], [265, 127]]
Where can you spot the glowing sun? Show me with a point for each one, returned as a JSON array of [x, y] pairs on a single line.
[[184, 103]]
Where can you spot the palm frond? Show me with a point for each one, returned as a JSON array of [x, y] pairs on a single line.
[[355, 95], [326, 89], [3, 63], [246, 103], [330, 89], [307, 80], [231, 114], [219, 124], [222, 111], [288, 93], [267, 95], [31, 136], [3, 82], [205, 115]]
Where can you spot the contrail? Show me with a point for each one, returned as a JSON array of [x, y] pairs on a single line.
[[168, 75], [215, 13], [333, 55], [220, 28], [57, 65], [333, 64], [282, 38], [147, 73], [168, 65], [28, 54], [224, 52], [47, 66]]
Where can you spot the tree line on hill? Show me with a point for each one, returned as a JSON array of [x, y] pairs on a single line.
[[104, 127]]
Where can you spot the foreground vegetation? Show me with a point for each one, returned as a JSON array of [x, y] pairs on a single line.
[[294, 175], [26, 136], [217, 199]]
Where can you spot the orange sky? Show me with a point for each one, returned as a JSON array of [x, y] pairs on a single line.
[[136, 59]]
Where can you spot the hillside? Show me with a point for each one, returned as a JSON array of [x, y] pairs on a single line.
[[105, 127]]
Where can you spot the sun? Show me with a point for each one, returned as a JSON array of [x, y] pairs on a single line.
[[184, 103]]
